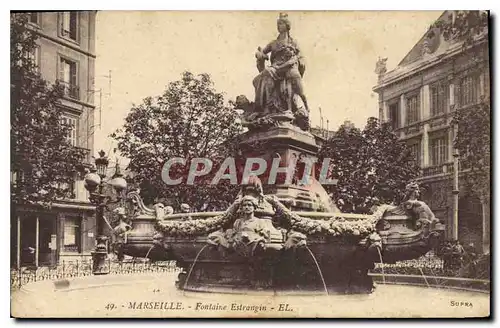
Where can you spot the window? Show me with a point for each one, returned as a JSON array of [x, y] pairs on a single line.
[[439, 150], [34, 18], [415, 150], [72, 236], [69, 25], [34, 56], [439, 98], [71, 121], [468, 90], [394, 115], [412, 109], [68, 77]]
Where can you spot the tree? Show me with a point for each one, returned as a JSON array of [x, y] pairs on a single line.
[[42, 160], [372, 166], [189, 120], [473, 124], [473, 144]]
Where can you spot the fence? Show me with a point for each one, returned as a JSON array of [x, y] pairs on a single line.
[[432, 265], [429, 265], [82, 268]]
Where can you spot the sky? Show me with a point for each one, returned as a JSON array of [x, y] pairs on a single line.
[[146, 50]]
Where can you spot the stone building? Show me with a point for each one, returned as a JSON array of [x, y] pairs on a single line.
[[321, 135], [418, 98], [65, 52]]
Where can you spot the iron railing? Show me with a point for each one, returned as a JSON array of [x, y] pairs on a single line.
[[83, 268], [432, 265], [428, 265], [432, 170], [70, 90]]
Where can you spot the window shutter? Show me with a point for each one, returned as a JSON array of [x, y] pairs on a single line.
[[73, 79], [61, 70], [73, 18], [66, 23]]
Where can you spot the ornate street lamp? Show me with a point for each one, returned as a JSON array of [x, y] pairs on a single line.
[[94, 183]]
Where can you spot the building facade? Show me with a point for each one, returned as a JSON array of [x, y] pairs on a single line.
[[419, 98], [65, 53]]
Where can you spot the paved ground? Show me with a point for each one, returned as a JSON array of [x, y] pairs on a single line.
[[156, 296]]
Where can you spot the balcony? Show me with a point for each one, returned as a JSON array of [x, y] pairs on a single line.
[[434, 170], [446, 168], [413, 128], [70, 90], [438, 121]]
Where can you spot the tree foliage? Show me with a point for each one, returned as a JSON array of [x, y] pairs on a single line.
[[189, 120], [372, 166], [473, 123], [43, 162], [473, 143]]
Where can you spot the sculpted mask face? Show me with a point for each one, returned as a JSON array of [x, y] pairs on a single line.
[[247, 207], [417, 193]]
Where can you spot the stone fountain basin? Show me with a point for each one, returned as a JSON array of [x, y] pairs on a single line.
[[331, 250], [339, 265], [91, 297], [328, 250]]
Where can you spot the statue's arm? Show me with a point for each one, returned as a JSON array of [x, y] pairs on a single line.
[[300, 59], [288, 63], [281, 209], [233, 208], [267, 49]]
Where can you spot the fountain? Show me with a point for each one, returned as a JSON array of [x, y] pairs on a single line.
[[275, 241], [284, 235]]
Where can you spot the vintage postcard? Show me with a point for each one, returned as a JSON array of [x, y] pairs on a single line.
[[250, 164]]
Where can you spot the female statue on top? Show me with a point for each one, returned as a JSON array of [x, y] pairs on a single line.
[[279, 85]]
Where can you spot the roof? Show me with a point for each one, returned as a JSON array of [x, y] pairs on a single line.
[[436, 48], [416, 53]]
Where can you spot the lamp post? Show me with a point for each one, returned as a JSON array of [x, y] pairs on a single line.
[[94, 183]]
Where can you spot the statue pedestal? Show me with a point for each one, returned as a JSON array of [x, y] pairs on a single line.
[[288, 143]]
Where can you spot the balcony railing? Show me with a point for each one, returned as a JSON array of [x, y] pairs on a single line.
[[433, 170], [446, 168], [70, 90], [413, 128]]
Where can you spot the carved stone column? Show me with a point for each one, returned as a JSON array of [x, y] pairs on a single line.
[[385, 112], [425, 146], [451, 99], [402, 111], [425, 102]]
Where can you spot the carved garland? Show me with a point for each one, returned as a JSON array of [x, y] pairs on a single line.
[[190, 228], [334, 227]]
